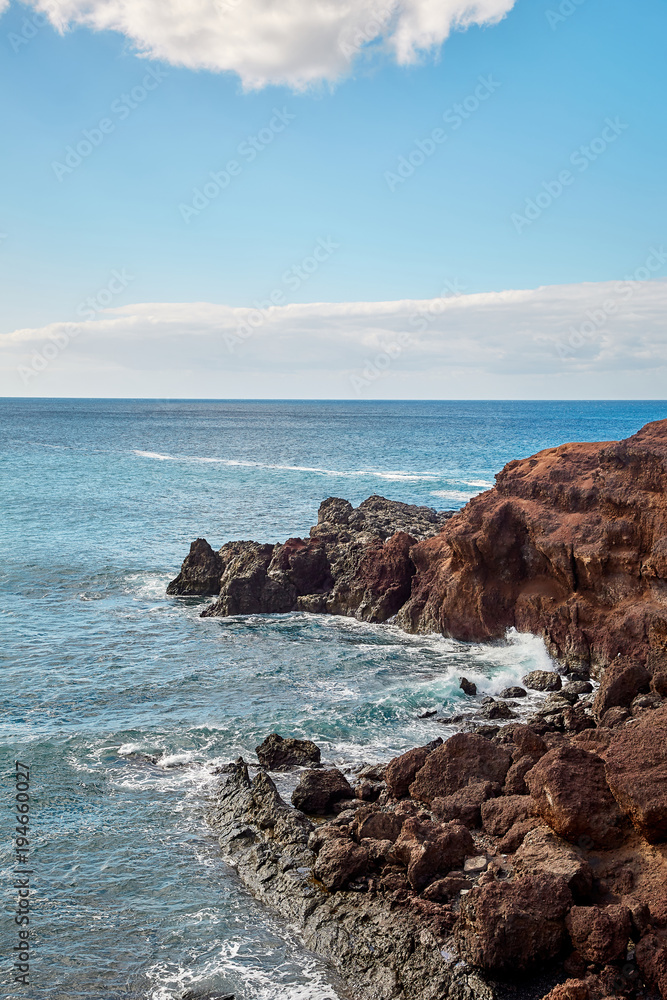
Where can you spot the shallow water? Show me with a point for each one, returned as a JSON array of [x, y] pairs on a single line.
[[100, 501]]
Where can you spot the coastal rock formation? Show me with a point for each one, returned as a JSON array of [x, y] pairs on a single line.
[[355, 562], [538, 848], [449, 879], [571, 544]]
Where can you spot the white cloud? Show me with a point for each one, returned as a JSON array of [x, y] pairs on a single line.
[[293, 42], [590, 335]]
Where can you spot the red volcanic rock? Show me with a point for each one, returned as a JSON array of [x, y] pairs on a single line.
[[465, 804], [636, 768], [462, 760], [371, 822], [651, 955], [527, 741], [542, 851], [600, 933], [400, 772], [446, 888], [570, 545], [571, 794], [571, 989], [339, 862], [383, 580], [500, 815], [511, 926], [430, 849], [515, 783], [623, 680]]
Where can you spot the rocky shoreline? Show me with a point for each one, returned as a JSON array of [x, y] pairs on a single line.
[[514, 859]]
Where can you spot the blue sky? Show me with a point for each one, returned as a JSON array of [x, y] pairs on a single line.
[[330, 174]]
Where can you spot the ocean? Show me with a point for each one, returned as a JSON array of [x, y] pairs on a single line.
[[123, 701]]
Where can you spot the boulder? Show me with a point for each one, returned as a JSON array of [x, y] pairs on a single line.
[[542, 851], [514, 692], [543, 680], [499, 815], [600, 933], [513, 926], [622, 681], [496, 710], [636, 769], [465, 804], [515, 782], [375, 824], [430, 849], [516, 835], [400, 772], [317, 791], [278, 754], [578, 687], [468, 687], [571, 794], [527, 741], [463, 760], [339, 862]]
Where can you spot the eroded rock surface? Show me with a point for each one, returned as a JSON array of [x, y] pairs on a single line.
[[355, 562]]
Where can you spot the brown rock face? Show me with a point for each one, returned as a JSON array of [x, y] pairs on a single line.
[[278, 754], [510, 926], [570, 545], [571, 794], [542, 851], [636, 768], [652, 960], [622, 681], [600, 933], [500, 815], [462, 760]]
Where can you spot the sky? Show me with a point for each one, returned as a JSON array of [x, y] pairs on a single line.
[[333, 199]]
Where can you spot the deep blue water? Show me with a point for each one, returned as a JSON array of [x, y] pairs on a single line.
[[100, 500]]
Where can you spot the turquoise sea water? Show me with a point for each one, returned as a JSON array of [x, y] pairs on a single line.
[[100, 500]]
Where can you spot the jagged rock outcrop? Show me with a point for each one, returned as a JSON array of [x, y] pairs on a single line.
[[304, 873], [355, 562], [571, 544], [422, 895]]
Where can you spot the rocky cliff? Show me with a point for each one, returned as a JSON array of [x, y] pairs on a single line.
[[571, 544]]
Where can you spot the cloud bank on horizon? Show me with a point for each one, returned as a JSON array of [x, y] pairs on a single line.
[[291, 42], [555, 333]]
